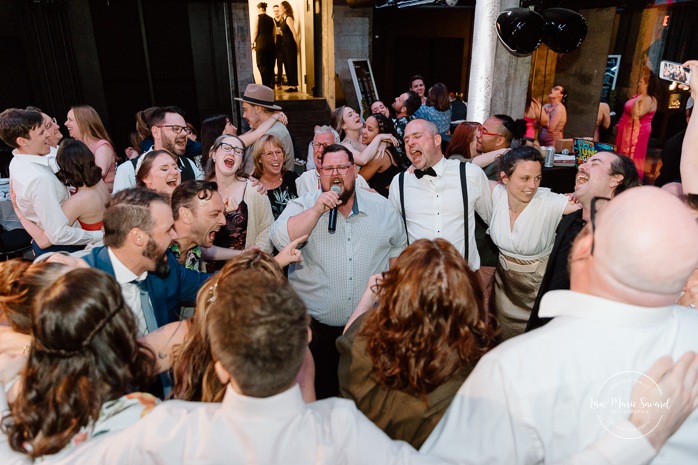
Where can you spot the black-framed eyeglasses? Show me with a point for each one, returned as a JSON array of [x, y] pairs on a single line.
[[321, 145], [176, 128], [597, 203], [239, 151], [329, 170]]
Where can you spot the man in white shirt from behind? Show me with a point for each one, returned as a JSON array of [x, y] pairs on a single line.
[[553, 391], [259, 336], [310, 180], [38, 191]]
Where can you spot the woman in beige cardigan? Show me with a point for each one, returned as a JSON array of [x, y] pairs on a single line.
[[247, 212]]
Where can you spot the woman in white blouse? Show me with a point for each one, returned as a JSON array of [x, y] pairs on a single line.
[[523, 224]]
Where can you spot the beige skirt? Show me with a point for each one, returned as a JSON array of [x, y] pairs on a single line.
[[516, 284]]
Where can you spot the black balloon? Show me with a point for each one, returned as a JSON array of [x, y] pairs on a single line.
[[565, 30], [520, 30]]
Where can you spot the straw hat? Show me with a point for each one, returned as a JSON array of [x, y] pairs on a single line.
[[257, 94]]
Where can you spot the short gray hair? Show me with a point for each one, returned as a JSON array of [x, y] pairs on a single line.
[[327, 130]]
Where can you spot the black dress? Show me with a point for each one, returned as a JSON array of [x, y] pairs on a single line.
[[280, 196], [290, 51], [265, 49], [380, 181]]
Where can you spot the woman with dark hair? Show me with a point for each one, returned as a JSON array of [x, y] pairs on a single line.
[[437, 108], [553, 117], [280, 183], [380, 171], [291, 41], [403, 361], [82, 365], [211, 128], [77, 170], [248, 213], [157, 170], [635, 126], [347, 123], [523, 223], [462, 145], [83, 123]]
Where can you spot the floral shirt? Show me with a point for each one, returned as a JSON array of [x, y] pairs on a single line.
[[192, 260]]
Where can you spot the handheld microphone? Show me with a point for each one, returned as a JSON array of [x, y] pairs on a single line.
[[332, 227]]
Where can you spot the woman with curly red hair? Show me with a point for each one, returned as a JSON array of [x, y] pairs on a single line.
[[403, 361]]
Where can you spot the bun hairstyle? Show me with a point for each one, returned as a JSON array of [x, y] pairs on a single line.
[[516, 128]]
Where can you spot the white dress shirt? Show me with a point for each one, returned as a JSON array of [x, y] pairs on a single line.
[[434, 205], [273, 431], [245, 430], [530, 400], [39, 197], [130, 290], [335, 269], [310, 182]]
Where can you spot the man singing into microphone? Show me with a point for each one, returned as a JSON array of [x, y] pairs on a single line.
[[336, 265]]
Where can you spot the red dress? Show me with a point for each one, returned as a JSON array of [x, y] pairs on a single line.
[[633, 136]]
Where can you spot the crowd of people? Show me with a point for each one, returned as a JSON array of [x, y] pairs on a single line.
[[203, 302]]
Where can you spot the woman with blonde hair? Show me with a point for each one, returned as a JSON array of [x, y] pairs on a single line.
[[83, 123], [348, 125], [280, 183]]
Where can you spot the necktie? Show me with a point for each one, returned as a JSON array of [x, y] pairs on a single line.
[[146, 306], [427, 172]]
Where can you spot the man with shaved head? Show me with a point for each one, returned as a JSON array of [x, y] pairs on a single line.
[[548, 393], [439, 199]]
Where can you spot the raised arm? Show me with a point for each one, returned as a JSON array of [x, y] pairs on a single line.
[[689, 150], [373, 149], [250, 137]]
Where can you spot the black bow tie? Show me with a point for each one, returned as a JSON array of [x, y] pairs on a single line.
[[426, 172]]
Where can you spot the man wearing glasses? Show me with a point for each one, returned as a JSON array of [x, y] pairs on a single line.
[[170, 133], [545, 395], [337, 265], [604, 175], [493, 139], [310, 180]]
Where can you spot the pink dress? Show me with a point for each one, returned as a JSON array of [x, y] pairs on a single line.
[[108, 178], [632, 138]]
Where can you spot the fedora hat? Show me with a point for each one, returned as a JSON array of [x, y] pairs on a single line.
[[257, 94]]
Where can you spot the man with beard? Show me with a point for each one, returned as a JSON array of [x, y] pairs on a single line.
[[170, 133], [605, 175], [337, 265], [138, 231], [198, 212], [493, 139]]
